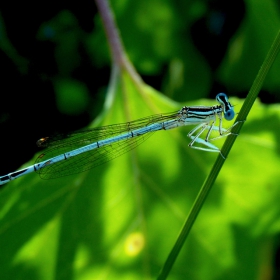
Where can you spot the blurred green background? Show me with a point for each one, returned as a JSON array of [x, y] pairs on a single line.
[[56, 67]]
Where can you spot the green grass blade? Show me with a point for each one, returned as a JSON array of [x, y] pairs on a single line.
[[249, 101]]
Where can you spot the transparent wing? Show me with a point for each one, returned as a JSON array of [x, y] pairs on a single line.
[[90, 159], [96, 157], [79, 139]]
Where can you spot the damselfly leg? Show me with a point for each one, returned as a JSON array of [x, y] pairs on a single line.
[[196, 139]]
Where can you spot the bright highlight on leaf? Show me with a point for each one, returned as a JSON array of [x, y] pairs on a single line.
[[134, 244]]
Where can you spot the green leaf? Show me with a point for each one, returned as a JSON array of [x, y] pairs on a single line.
[[120, 220], [101, 222]]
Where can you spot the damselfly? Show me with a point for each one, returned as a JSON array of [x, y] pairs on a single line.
[[80, 151]]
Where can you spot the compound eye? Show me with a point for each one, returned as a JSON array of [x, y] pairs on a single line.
[[229, 115]]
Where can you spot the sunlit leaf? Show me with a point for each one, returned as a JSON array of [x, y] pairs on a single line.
[[120, 220]]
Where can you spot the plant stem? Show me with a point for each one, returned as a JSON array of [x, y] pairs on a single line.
[[118, 54], [204, 191], [114, 41]]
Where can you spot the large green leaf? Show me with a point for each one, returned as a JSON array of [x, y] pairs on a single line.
[[120, 220]]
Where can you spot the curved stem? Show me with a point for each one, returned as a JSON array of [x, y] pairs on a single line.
[[118, 54], [114, 41]]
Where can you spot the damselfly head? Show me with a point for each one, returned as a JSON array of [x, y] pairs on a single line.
[[227, 107]]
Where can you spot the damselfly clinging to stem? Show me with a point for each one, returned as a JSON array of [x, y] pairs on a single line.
[[80, 151]]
